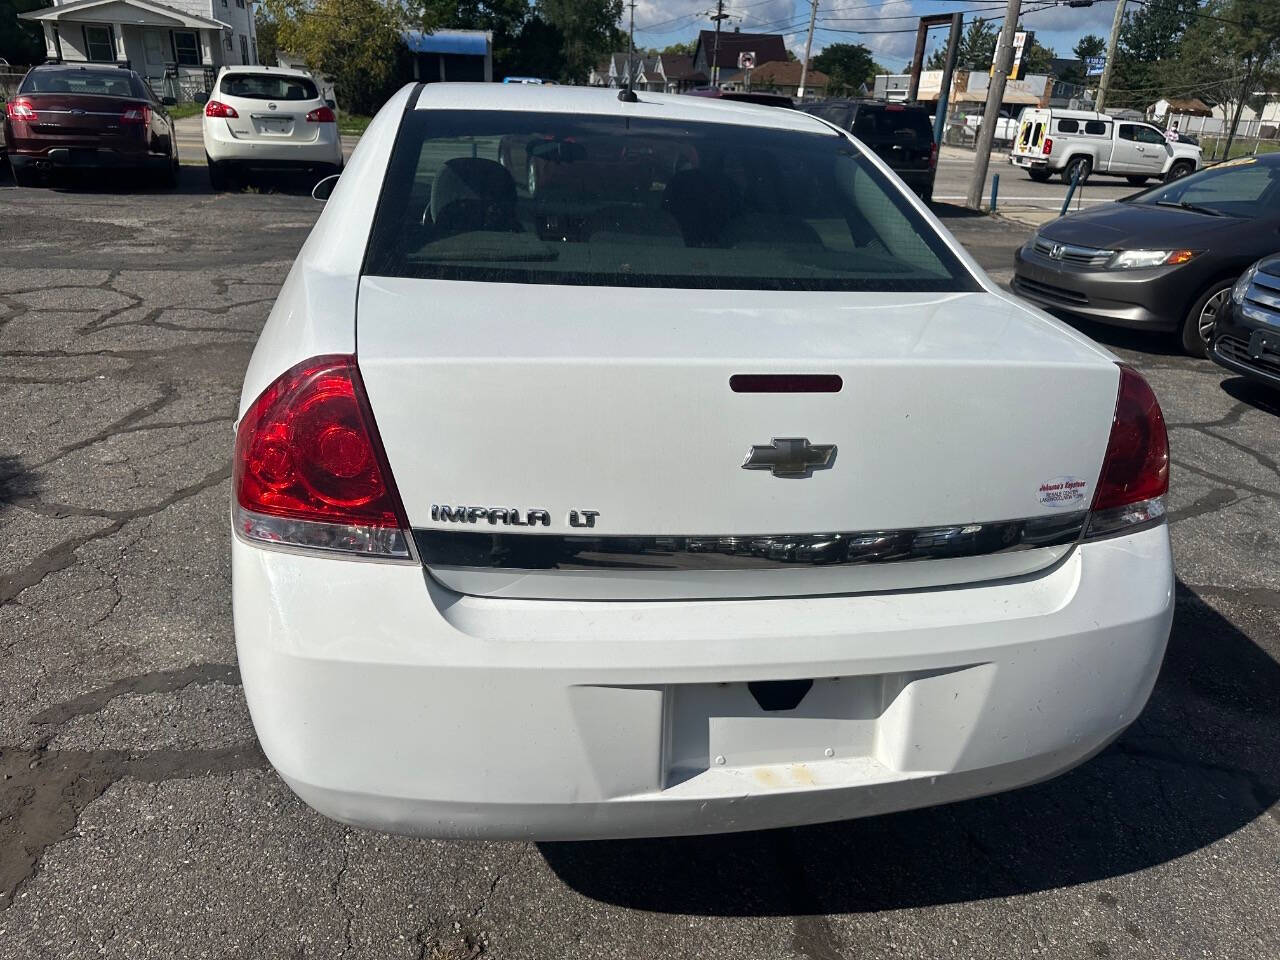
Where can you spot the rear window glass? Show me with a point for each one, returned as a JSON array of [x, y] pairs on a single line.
[[265, 86], [610, 201], [1095, 127], [1068, 126], [902, 124], [106, 83]]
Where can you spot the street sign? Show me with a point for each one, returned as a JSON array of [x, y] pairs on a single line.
[[747, 60], [1093, 66], [1022, 41]]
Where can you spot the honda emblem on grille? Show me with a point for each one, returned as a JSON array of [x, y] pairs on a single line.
[[790, 457], [1056, 252]]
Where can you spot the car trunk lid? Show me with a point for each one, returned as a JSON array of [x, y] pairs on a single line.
[[547, 445], [83, 118]]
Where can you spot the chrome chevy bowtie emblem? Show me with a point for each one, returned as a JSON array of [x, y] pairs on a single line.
[[790, 457]]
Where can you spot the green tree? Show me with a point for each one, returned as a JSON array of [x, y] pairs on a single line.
[[1150, 36], [1233, 48], [356, 42], [268, 32], [849, 65], [588, 29], [977, 45], [20, 42], [1090, 46], [679, 49]]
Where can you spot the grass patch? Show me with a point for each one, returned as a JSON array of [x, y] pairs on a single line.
[[181, 111], [1211, 146], [352, 124]]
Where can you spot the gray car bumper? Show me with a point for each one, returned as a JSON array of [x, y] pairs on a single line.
[[1144, 299]]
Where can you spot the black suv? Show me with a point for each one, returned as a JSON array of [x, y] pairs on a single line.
[[901, 133]]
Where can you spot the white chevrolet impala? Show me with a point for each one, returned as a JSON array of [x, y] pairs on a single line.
[[621, 467]]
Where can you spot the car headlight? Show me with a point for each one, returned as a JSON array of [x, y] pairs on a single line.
[[1246, 278], [1137, 259]]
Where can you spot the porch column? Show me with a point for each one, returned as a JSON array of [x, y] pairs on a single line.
[[206, 53], [50, 44], [117, 32]]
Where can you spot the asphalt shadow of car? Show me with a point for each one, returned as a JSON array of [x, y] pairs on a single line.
[[17, 483], [1264, 398], [1201, 762]]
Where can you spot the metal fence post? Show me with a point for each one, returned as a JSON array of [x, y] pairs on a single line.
[[995, 190], [1066, 202]]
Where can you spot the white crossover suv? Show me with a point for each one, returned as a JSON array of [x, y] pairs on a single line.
[[708, 486], [268, 117]]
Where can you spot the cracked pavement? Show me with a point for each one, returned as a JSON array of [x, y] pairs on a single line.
[[138, 817]]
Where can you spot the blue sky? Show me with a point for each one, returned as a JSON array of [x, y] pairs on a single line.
[[661, 22]]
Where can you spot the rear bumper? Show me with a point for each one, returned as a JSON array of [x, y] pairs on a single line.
[[388, 702], [92, 158], [1143, 299], [326, 149]]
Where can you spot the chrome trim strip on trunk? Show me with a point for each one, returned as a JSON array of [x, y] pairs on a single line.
[[533, 551]]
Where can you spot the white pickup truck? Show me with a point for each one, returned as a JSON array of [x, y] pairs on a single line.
[[1078, 143]]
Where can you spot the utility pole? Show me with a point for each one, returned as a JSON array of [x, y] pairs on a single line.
[[995, 96], [715, 50], [631, 47], [1105, 83], [808, 45]]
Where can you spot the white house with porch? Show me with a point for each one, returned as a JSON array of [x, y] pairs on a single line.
[[178, 46]]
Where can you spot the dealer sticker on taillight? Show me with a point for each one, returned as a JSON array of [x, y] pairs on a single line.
[[1063, 492]]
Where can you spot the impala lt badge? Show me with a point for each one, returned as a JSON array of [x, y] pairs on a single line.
[[790, 457]]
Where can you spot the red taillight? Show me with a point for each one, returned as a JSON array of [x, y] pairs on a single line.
[[933, 156], [21, 109], [140, 114], [1136, 466], [215, 109], [1048, 146], [308, 449], [321, 115]]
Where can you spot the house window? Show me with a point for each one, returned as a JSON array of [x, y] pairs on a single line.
[[240, 4], [244, 49], [100, 44], [186, 48], [228, 41], [224, 2]]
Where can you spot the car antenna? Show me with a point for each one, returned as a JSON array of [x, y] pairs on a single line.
[[627, 95]]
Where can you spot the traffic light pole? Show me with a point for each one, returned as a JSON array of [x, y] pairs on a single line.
[[995, 96]]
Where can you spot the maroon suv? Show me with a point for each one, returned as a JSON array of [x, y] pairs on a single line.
[[88, 115]]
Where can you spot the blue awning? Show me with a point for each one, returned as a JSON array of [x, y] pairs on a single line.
[[468, 42]]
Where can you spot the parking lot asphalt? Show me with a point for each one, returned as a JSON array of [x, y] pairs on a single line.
[[138, 817]]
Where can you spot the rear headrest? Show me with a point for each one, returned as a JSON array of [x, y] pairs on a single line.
[[471, 193], [703, 203]]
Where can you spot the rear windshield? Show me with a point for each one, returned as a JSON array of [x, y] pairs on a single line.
[[105, 83], [909, 126], [265, 86], [610, 201]]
